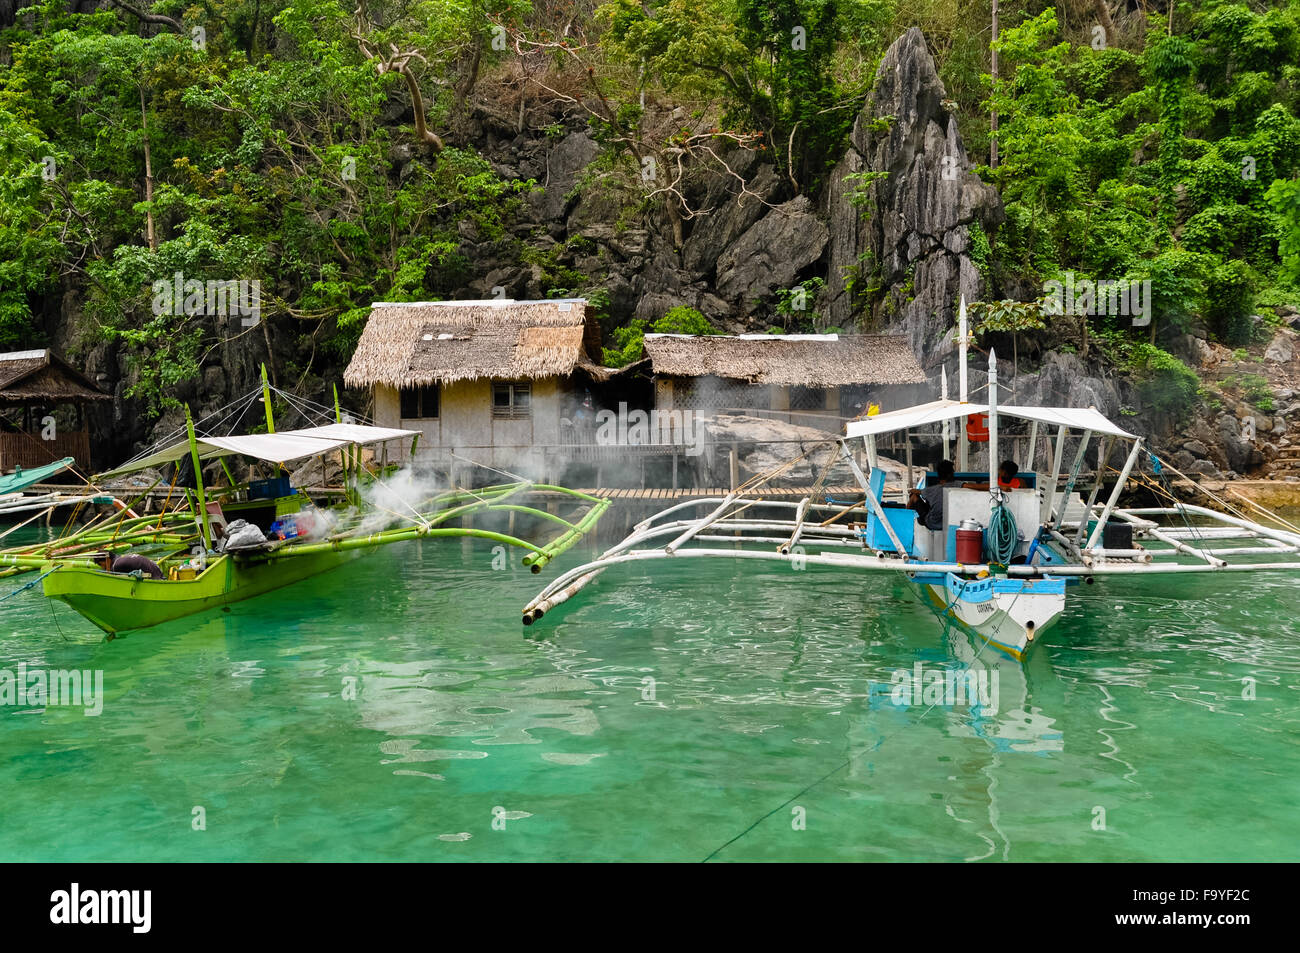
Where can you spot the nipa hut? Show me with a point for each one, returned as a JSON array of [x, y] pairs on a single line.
[[808, 379], [490, 380], [43, 410]]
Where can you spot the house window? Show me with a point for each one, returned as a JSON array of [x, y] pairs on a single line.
[[807, 398], [512, 400], [420, 402]]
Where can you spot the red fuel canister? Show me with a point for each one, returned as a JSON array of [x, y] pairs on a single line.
[[970, 546]]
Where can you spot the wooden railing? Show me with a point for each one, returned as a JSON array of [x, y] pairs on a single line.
[[27, 450]]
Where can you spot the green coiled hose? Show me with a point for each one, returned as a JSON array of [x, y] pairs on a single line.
[[1003, 536]]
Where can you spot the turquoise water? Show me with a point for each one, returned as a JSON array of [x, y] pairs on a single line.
[[1125, 737]]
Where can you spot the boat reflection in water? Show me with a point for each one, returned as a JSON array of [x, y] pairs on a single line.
[[933, 746]]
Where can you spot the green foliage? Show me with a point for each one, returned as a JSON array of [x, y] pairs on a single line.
[[629, 340], [270, 163], [683, 320], [794, 304], [1177, 279], [1006, 316], [1165, 384], [771, 64], [629, 345], [1169, 62], [859, 193], [1156, 161], [1229, 299], [980, 251], [1284, 195], [1253, 388], [1169, 158]]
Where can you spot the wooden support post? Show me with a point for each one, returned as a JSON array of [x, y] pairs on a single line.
[[1049, 488], [735, 467], [1103, 454], [907, 435]]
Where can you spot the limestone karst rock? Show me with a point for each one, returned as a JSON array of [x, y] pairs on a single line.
[[912, 236]]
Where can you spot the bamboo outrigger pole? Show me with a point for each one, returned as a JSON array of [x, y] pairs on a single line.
[[198, 480]]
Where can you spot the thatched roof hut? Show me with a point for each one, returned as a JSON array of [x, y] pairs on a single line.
[[440, 342], [42, 376], [809, 360]]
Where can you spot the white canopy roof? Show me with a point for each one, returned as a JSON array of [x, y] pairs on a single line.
[[352, 433], [908, 417], [278, 448], [1076, 418]]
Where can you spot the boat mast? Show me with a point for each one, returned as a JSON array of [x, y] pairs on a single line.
[[266, 401], [198, 480], [993, 425], [270, 414], [343, 451], [962, 443], [947, 424]]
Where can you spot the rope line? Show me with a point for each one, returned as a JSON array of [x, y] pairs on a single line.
[[29, 585]]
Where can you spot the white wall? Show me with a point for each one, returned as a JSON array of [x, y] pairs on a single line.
[[465, 424]]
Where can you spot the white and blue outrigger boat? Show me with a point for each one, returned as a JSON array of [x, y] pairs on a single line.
[[1004, 560]]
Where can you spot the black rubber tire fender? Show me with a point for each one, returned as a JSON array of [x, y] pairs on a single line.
[[132, 562]]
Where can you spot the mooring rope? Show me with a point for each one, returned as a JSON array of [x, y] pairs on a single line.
[[876, 747], [848, 762], [29, 585]]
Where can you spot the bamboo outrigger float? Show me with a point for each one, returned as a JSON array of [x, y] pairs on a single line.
[[126, 572], [1031, 543]]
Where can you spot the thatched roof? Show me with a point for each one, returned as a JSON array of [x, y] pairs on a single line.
[[405, 345], [812, 360], [41, 375]]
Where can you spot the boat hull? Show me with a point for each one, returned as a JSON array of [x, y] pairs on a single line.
[[1009, 614], [119, 603]]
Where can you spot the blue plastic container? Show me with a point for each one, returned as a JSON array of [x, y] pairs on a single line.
[[269, 489]]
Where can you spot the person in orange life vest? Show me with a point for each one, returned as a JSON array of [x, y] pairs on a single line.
[[1007, 480]]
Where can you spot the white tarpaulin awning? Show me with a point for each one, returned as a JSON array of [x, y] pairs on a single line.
[[1076, 418], [271, 447], [908, 418], [158, 458], [278, 448], [354, 433]]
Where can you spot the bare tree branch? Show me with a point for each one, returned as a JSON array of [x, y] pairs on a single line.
[[399, 61], [156, 18]]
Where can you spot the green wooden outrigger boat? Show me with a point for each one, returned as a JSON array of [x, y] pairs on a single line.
[[183, 547]]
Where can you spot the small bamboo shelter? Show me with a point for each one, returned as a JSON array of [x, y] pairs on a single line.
[[33, 386], [809, 379], [489, 380]]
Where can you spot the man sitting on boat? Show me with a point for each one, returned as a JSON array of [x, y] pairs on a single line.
[[928, 502], [1007, 480]]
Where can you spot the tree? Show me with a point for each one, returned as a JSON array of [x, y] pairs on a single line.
[[1284, 194]]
